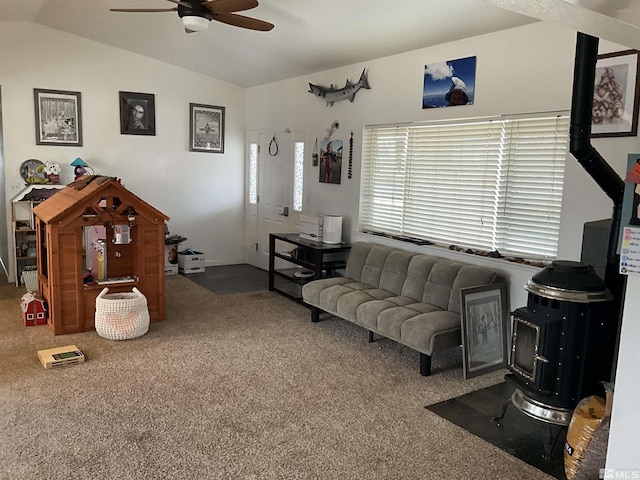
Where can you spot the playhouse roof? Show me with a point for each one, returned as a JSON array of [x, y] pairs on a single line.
[[93, 192]]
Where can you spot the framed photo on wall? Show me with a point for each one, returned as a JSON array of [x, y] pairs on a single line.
[[450, 83], [206, 128], [330, 161], [485, 318], [137, 113], [615, 95], [58, 116]]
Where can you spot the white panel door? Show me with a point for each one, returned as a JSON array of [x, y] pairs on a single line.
[[275, 190]]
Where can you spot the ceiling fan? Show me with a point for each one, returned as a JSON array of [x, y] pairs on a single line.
[[196, 14]]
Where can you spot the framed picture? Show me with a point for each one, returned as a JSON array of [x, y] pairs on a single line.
[[330, 161], [450, 83], [58, 117], [206, 128], [137, 113], [615, 95], [485, 316]]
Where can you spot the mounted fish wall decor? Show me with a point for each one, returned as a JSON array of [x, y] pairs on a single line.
[[349, 90]]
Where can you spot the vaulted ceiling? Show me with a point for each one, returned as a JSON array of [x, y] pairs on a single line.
[[315, 35]]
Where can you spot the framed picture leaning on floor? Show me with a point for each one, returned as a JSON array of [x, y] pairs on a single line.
[[485, 318]]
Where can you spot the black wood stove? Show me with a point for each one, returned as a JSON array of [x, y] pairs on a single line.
[[563, 341]]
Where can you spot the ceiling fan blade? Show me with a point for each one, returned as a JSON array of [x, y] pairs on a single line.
[[143, 9], [243, 22], [184, 4], [228, 6]]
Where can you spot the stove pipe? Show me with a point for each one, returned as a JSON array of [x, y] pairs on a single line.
[[580, 147]]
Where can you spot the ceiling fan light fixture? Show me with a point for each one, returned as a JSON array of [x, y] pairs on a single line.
[[195, 23]]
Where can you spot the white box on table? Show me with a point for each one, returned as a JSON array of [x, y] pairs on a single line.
[[311, 227]]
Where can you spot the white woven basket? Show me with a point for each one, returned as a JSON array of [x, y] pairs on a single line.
[[30, 280], [121, 316]]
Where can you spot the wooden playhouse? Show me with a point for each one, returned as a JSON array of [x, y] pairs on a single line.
[[94, 234]]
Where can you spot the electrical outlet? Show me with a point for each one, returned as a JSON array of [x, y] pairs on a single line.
[[16, 187]]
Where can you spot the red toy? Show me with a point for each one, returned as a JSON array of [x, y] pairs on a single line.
[[34, 310]]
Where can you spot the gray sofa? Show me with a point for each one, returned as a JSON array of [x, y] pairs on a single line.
[[413, 299]]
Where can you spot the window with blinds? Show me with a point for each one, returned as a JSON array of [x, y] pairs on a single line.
[[489, 184]]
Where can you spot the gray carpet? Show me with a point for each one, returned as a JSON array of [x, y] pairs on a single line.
[[234, 387]]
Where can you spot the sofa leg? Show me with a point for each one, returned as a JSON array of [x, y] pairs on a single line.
[[370, 336], [315, 314], [425, 365]]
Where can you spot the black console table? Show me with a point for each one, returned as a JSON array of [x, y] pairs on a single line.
[[321, 258]]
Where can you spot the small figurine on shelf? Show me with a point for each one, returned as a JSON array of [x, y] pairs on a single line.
[[80, 168], [53, 172]]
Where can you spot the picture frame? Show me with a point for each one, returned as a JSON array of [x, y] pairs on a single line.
[[206, 128], [485, 319], [450, 83], [58, 117], [330, 170], [137, 113], [616, 94]]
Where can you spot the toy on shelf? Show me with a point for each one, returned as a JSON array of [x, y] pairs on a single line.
[[80, 168], [53, 172]]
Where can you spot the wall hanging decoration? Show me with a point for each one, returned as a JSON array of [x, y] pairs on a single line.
[[350, 168], [330, 161], [331, 94], [206, 128], [449, 83], [334, 126], [314, 155], [615, 95], [137, 113], [58, 117], [273, 147]]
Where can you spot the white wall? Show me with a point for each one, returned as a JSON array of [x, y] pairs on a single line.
[[527, 69], [516, 73], [203, 193]]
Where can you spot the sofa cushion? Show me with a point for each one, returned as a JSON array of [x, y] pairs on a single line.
[[394, 272], [311, 291], [469, 276], [349, 302], [422, 331]]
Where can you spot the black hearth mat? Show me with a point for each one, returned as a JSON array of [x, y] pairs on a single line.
[[516, 434]]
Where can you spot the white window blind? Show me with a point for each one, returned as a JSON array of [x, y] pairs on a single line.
[[490, 184]]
